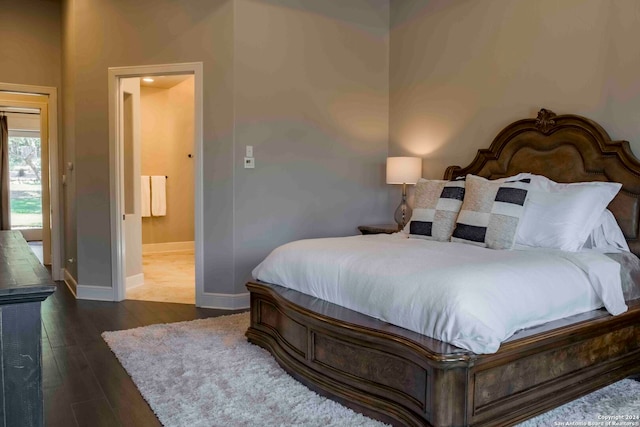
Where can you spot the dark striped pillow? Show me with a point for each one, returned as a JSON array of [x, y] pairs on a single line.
[[437, 204], [491, 212]]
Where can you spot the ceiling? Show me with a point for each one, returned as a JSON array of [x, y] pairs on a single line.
[[165, 82]]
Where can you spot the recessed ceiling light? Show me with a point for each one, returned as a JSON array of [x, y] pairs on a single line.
[[148, 79]]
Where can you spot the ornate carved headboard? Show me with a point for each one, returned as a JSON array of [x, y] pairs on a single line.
[[566, 148]]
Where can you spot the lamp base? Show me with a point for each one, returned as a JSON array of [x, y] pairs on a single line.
[[403, 212]]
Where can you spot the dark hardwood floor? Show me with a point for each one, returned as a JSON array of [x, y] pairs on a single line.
[[84, 384]]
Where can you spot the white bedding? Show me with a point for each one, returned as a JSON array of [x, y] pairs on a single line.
[[468, 296]]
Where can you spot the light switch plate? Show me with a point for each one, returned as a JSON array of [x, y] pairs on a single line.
[[249, 163], [249, 151]]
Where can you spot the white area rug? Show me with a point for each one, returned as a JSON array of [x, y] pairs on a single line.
[[205, 373]]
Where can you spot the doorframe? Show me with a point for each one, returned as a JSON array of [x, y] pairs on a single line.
[[55, 190], [40, 103], [116, 169]]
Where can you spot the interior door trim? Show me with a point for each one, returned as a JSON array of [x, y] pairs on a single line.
[[46, 99]]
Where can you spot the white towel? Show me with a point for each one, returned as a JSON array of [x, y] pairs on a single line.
[[158, 195], [145, 196]]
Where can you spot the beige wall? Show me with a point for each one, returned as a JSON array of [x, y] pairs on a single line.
[[167, 141], [102, 34], [68, 115], [458, 72], [30, 54], [318, 172], [312, 100], [30, 42], [462, 70]]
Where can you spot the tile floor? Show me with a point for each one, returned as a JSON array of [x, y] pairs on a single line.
[[168, 277]]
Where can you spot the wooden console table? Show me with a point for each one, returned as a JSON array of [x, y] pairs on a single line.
[[24, 284]]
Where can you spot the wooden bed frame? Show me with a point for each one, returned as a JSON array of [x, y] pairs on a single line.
[[405, 378]]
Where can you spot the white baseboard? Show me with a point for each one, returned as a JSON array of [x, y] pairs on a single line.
[[135, 280], [96, 293], [152, 248], [70, 282], [208, 300], [224, 301]]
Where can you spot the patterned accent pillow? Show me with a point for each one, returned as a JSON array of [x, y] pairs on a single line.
[[491, 212], [437, 204]]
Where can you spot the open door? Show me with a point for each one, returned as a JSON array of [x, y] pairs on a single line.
[[129, 128]]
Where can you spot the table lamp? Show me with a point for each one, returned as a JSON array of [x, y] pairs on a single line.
[[403, 170]]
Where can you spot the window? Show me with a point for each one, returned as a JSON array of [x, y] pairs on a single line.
[[25, 180]]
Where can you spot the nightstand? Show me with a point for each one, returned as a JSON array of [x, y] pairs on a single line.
[[379, 229]]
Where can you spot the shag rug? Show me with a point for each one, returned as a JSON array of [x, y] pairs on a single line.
[[205, 373]]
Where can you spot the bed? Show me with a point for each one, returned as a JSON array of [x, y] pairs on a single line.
[[405, 378]]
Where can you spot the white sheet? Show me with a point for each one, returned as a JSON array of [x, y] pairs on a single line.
[[468, 296]]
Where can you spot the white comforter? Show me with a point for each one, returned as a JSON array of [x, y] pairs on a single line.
[[468, 296]]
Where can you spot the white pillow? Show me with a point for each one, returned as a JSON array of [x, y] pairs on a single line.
[[562, 216], [607, 236]]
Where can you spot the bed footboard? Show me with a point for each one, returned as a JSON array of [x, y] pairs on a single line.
[[404, 378]]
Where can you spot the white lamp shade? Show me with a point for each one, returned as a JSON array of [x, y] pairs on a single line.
[[403, 170]]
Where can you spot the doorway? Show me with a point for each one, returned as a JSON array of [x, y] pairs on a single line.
[[33, 184], [25, 171], [156, 249], [157, 134]]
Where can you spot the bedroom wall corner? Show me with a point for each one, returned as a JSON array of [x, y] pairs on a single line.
[[69, 140], [311, 97]]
